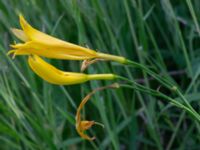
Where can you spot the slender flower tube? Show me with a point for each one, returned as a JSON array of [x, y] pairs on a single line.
[[55, 76], [39, 43]]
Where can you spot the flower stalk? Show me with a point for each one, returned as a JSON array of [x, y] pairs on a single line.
[[156, 93]]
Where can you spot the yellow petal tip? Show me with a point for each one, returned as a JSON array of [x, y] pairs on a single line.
[[22, 21], [19, 34], [14, 45], [21, 17]]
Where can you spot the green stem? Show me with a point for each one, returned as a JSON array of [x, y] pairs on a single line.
[[153, 74], [158, 94], [162, 80], [101, 76]]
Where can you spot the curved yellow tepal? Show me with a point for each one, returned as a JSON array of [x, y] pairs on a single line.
[[19, 34], [55, 76]]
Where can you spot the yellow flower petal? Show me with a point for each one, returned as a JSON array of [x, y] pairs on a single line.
[[19, 34], [57, 52], [47, 40], [17, 52], [36, 35]]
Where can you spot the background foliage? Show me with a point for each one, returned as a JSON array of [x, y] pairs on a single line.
[[162, 34]]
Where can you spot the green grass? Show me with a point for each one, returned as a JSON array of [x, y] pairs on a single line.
[[161, 34]]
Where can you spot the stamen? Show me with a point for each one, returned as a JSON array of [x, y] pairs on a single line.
[[13, 52]]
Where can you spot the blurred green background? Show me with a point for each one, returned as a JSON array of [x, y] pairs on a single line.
[[162, 34]]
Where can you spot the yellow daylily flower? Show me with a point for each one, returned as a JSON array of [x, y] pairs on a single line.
[[39, 43], [83, 125], [55, 76]]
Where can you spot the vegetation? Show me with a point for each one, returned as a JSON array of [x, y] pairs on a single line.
[[162, 35]]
